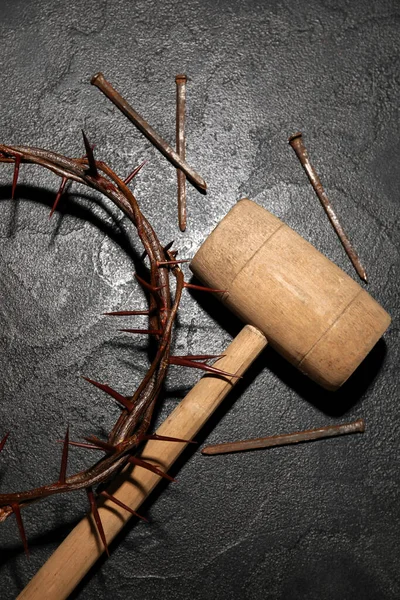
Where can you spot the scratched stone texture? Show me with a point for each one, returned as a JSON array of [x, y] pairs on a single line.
[[306, 522]]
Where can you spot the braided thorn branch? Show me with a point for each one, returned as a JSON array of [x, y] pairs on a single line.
[[132, 425]]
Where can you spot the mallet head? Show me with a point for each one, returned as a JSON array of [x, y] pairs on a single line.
[[311, 312]]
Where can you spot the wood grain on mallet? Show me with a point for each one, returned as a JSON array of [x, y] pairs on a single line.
[[80, 550]]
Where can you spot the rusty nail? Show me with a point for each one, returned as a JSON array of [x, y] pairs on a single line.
[[297, 144], [180, 81], [289, 438], [100, 82]]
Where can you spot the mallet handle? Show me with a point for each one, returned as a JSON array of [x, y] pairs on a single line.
[[59, 576]]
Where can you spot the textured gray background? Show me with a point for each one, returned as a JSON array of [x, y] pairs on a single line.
[[314, 521]]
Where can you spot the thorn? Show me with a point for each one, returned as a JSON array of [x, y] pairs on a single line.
[[201, 288], [168, 252], [166, 263], [165, 438], [17, 513], [90, 156], [173, 360], [100, 444], [59, 194], [3, 441], [128, 313], [64, 459], [201, 356], [96, 517], [148, 331], [148, 286], [95, 445], [142, 463], [126, 403], [134, 173], [168, 246], [83, 445], [152, 288], [18, 159], [122, 505]]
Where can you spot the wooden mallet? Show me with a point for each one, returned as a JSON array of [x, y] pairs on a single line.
[[310, 311], [290, 295]]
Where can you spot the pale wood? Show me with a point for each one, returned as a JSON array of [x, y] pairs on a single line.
[[346, 333], [308, 308], [80, 550]]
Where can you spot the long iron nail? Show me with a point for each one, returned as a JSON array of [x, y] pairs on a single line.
[[289, 438], [180, 81], [297, 144], [100, 82], [17, 513]]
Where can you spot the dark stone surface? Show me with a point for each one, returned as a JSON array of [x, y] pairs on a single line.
[[314, 521]]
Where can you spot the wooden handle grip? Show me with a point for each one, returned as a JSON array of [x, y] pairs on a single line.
[[59, 576]]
